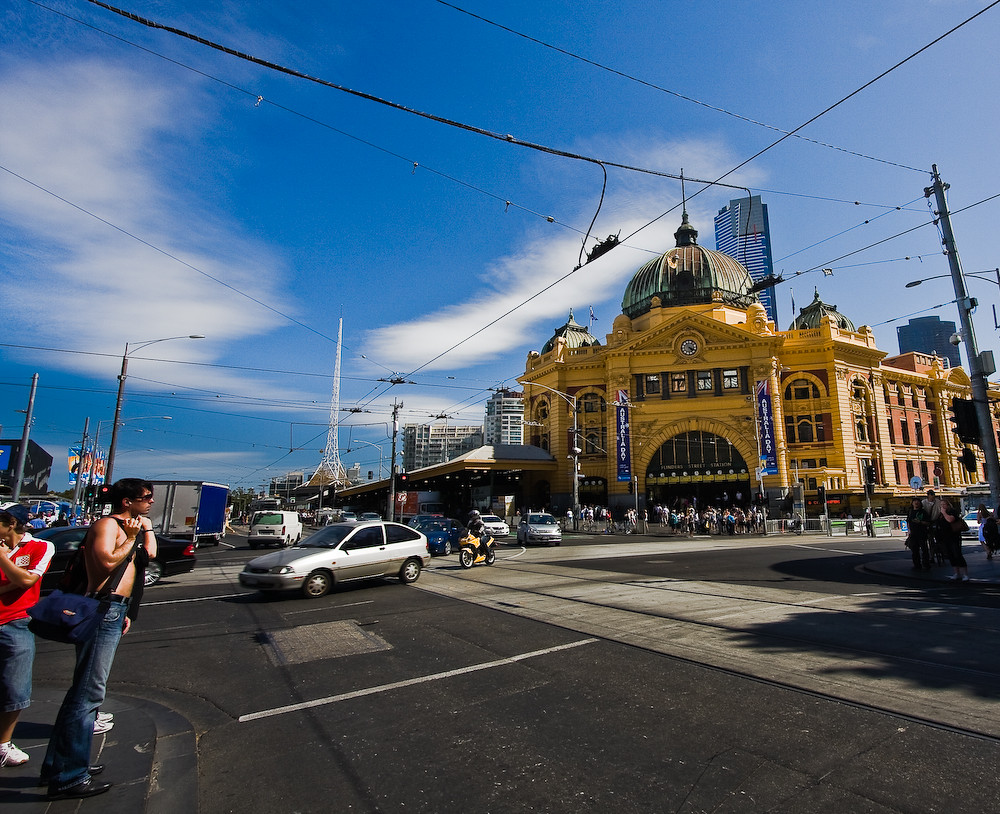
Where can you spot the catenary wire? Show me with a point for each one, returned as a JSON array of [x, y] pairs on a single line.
[[660, 88]]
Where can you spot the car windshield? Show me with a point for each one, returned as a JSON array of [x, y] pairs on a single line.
[[491, 518], [328, 536], [431, 525], [541, 520]]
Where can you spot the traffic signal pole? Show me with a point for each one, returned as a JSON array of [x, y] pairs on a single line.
[[979, 368]]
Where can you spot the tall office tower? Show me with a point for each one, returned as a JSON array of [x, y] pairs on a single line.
[[505, 418], [428, 444], [929, 335], [742, 232]]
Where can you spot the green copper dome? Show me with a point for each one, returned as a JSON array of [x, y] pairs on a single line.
[[574, 333], [688, 275], [812, 316]]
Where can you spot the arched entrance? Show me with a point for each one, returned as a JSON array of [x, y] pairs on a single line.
[[699, 468]]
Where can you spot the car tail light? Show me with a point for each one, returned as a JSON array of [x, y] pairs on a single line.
[[189, 551], [282, 529]]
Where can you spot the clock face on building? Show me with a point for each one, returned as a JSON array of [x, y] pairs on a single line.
[[689, 347]]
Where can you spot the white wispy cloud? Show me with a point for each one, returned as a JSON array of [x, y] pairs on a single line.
[[98, 140]]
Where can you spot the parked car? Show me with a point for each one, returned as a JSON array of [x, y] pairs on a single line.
[[348, 517], [972, 518], [370, 516], [342, 552], [495, 526], [539, 528], [275, 528], [172, 556], [442, 533]]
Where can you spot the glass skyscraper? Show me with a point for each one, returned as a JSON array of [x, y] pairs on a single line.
[[742, 232]]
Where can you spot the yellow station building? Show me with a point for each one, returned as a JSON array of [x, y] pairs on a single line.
[[692, 351]]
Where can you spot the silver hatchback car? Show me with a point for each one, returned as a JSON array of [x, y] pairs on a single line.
[[540, 529], [342, 552]]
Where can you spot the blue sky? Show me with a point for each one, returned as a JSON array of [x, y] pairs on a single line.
[[154, 187]]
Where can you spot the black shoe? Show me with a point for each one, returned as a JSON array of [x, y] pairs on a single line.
[[85, 788], [97, 768]]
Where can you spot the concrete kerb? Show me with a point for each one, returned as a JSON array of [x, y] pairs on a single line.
[[150, 754]]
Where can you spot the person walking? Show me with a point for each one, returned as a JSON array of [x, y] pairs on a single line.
[[917, 522], [950, 531], [23, 561], [116, 548]]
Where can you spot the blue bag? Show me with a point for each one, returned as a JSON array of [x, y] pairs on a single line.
[[66, 618]]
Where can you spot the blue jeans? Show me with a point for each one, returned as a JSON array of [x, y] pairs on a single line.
[[17, 653], [68, 755]]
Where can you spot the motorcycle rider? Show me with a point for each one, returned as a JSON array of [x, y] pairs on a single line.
[[478, 530]]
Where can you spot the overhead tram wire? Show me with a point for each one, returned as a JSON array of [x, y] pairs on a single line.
[[836, 104], [510, 138], [661, 89]]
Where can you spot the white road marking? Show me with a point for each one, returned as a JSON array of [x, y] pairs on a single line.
[[330, 607], [834, 550], [333, 699], [195, 599]]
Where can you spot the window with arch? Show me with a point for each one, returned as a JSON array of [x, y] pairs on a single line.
[[801, 389], [805, 429], [593, 403]]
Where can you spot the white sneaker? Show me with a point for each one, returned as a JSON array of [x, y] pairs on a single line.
[[10, 755], [105, 717], [101, 727]]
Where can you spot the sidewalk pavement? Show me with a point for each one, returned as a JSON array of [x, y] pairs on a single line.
[[150, 754]]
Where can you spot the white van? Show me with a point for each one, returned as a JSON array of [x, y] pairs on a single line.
[[275, 528]]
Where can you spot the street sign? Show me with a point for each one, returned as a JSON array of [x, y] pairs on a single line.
[[916, 483]]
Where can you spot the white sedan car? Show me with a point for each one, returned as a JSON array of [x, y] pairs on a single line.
[[539, 529], [495, 526]]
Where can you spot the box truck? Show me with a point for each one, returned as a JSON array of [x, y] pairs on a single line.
[[190, 510]]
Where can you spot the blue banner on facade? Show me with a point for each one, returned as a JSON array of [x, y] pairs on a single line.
[[624, 445], [765, 428]]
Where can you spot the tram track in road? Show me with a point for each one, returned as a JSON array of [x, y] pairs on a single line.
[[752, 634]]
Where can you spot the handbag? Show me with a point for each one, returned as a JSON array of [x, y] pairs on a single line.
[[959, 525], [72, 618]]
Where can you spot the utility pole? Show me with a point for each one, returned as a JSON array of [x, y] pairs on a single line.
[[392, 461], [22, 453], [79, 466], [980, 365]]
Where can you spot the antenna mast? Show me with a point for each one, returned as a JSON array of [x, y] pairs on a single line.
[[330, 469]]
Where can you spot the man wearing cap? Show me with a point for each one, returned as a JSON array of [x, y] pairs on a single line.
[[23, 560], [108, 546]]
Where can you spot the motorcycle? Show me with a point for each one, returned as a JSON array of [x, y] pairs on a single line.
[[471, 552]]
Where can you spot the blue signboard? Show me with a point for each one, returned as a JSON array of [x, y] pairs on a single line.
[[624, 447], [5, 456], [765, 428]]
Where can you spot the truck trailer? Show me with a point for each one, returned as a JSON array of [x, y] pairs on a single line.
[[190, 510]]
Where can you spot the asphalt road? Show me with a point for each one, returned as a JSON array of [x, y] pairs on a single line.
[[611, 675]]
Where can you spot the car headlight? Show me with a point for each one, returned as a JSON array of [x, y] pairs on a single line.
[[282, 569]]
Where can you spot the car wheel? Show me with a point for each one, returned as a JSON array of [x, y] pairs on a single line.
[[153, 573], [317, 584], [410, 571], [447, 548], [491, 556], [466, 557]]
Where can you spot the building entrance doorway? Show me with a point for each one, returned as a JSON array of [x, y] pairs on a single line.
[[700, 469]]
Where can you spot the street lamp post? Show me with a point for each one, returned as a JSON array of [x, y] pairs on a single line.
[[113, 447], [574, 450], [369, 443]]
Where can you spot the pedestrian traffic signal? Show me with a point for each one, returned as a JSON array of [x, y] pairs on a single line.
[[965, 422], [821, 493], [968, 459]]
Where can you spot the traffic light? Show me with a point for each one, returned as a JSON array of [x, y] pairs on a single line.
[[869, 475], [821, 493], [965, 422], [401, 480], [968, 459]]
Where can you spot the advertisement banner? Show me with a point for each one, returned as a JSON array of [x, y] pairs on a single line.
[[622, 433], [74, 465], [765, 428], [85, 466]]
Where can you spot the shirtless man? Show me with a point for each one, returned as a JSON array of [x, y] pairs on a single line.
[[108, 545]]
